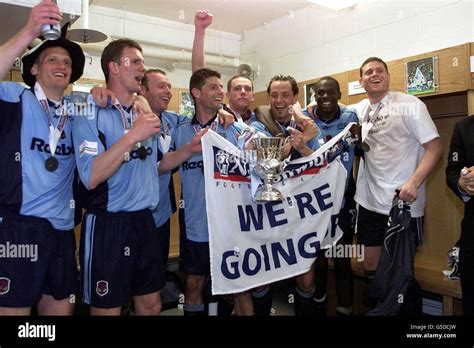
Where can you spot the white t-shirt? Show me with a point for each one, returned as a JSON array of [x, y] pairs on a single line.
[[400, 127]]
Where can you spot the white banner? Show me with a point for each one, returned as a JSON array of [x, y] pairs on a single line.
[[255, 244]]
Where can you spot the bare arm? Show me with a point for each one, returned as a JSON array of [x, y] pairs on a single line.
[[173, 159], [46, 12], [433, 153], [311, 106], [306, 124], [141, 105], [102, 96], [202, 20], [225, 118], [297, 141], [107, 163]]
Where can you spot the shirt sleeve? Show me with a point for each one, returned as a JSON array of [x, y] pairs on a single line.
[[420, 123], [87, 144], [464, 196], [11, 91], [456, 161], [354, 117], [259, 127], [313, 144], [305, 112]]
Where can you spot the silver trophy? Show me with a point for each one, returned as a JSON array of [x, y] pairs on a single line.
[[268, 165]]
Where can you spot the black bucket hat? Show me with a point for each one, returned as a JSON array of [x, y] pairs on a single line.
[[74, 50]]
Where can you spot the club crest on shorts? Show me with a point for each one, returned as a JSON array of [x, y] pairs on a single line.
[[102, 287], [4, 285]]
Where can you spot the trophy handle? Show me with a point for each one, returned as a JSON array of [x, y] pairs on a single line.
[[287, 140]]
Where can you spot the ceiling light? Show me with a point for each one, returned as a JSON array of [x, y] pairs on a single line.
[[84, 34], [335, 4]]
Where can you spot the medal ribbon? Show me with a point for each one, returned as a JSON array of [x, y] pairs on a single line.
[[126, 125], [292, 125], [369, 120], [165, 137], [54, 132]]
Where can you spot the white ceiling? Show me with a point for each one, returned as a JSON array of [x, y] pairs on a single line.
[[14, 17], [232, 16]]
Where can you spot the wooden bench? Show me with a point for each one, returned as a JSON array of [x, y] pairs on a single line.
[[428, 273]]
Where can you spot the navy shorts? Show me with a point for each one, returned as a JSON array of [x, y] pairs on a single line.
[[164, 243], [35, 259], [193, 256], [371, 227], [120, 257]]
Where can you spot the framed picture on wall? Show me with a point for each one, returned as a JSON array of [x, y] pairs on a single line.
[[309, 93], [186, 104], [422, 76]]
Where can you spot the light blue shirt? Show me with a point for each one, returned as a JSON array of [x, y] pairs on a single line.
[[135, 184], [192, 180], [25, 182]]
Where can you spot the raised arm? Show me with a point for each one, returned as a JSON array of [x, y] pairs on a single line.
[[202, 20], [46, 12]]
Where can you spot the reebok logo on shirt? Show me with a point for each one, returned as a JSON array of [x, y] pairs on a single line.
[[41, 146], [192, 165], [135, 155]]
